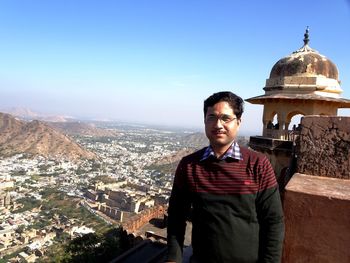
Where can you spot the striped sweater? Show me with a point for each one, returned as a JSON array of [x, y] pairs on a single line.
[[236, 209]]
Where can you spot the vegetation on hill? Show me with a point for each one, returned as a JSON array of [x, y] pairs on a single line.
[[103, 179], [102, 246], [89, 248]]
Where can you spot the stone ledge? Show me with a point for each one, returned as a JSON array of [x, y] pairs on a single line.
[[320, 186], [317, 212], [266, 143]]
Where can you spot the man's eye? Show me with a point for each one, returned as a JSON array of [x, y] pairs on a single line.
[[211, 118], [226, 118]]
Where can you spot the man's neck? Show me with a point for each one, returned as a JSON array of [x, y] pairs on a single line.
[[220, 151]]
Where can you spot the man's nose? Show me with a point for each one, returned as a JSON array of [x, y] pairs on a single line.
[[218, 123]]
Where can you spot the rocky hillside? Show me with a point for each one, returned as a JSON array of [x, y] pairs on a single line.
[[37, 138], [195, 140], [28, 114], [81, 128], [174, 158]]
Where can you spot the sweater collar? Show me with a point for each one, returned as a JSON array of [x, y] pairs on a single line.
[[233, 152]]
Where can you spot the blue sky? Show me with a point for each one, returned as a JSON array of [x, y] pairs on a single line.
[[156, 61]]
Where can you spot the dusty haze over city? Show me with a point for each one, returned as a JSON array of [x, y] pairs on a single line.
[[153, 61], [100, 100]]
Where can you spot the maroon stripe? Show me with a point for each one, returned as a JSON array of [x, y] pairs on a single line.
[[202, 174], [234, 183], [222, 191], [225, 187], [246, 184], [249, 176]]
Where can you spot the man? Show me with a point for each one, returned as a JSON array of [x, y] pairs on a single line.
[[236, 208]]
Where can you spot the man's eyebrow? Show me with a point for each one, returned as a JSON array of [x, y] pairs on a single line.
[[220, 115]]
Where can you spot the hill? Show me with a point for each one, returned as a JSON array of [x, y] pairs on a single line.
[[28, 114], [195, 140], [81, 128], [37, 138]]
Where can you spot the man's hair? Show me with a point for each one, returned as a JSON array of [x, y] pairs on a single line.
[[235, 102]]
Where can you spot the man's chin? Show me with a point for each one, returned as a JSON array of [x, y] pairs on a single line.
[[219, 143]]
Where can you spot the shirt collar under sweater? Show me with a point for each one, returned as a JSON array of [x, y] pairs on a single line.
[[232, 152]]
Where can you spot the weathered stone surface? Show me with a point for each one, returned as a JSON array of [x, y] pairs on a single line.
[[303, 63], [317, 213], [323, 148], [142, 218]]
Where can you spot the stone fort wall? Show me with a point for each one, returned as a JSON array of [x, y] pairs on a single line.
[[317, 198], [324, 147]]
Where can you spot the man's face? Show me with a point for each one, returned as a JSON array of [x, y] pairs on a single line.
[[221, 125]]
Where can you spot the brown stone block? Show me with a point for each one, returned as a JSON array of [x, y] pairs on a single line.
[[323, 147], [317, 220]]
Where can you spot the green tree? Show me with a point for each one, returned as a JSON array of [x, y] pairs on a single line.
[[28, 204], [92, 248], [112, 245], [20, 229], [84, 248]]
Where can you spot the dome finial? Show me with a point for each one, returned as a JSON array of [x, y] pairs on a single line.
[[306, 36], [305, 47]]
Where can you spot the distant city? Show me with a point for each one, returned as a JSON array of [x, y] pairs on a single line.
[[46, 202]]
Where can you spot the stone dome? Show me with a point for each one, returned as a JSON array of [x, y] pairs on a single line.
[[305, 62]]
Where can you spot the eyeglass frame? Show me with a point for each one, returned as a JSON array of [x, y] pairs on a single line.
[[211, 119]]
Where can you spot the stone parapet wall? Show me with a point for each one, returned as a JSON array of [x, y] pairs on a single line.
[[317, 214], [136, 221], [112, 212], [323, 148], [317, 198]]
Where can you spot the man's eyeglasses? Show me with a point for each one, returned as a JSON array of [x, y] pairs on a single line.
[[224, 119]]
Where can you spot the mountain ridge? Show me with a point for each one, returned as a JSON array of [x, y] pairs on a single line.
[[81, 128], [37, 138]]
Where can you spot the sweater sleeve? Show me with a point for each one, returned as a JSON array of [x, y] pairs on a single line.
[[179, 206], [270, 215]]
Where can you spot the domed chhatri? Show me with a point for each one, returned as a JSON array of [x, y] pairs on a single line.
[[306, 83], [304, 71], [305, 62]]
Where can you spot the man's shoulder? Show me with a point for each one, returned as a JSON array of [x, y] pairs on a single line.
[[250, 154], [195, 156]]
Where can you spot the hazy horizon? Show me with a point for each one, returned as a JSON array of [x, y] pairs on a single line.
[[155, 62]]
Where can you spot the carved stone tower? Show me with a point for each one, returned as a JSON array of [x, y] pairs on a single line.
[[306, 83]]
